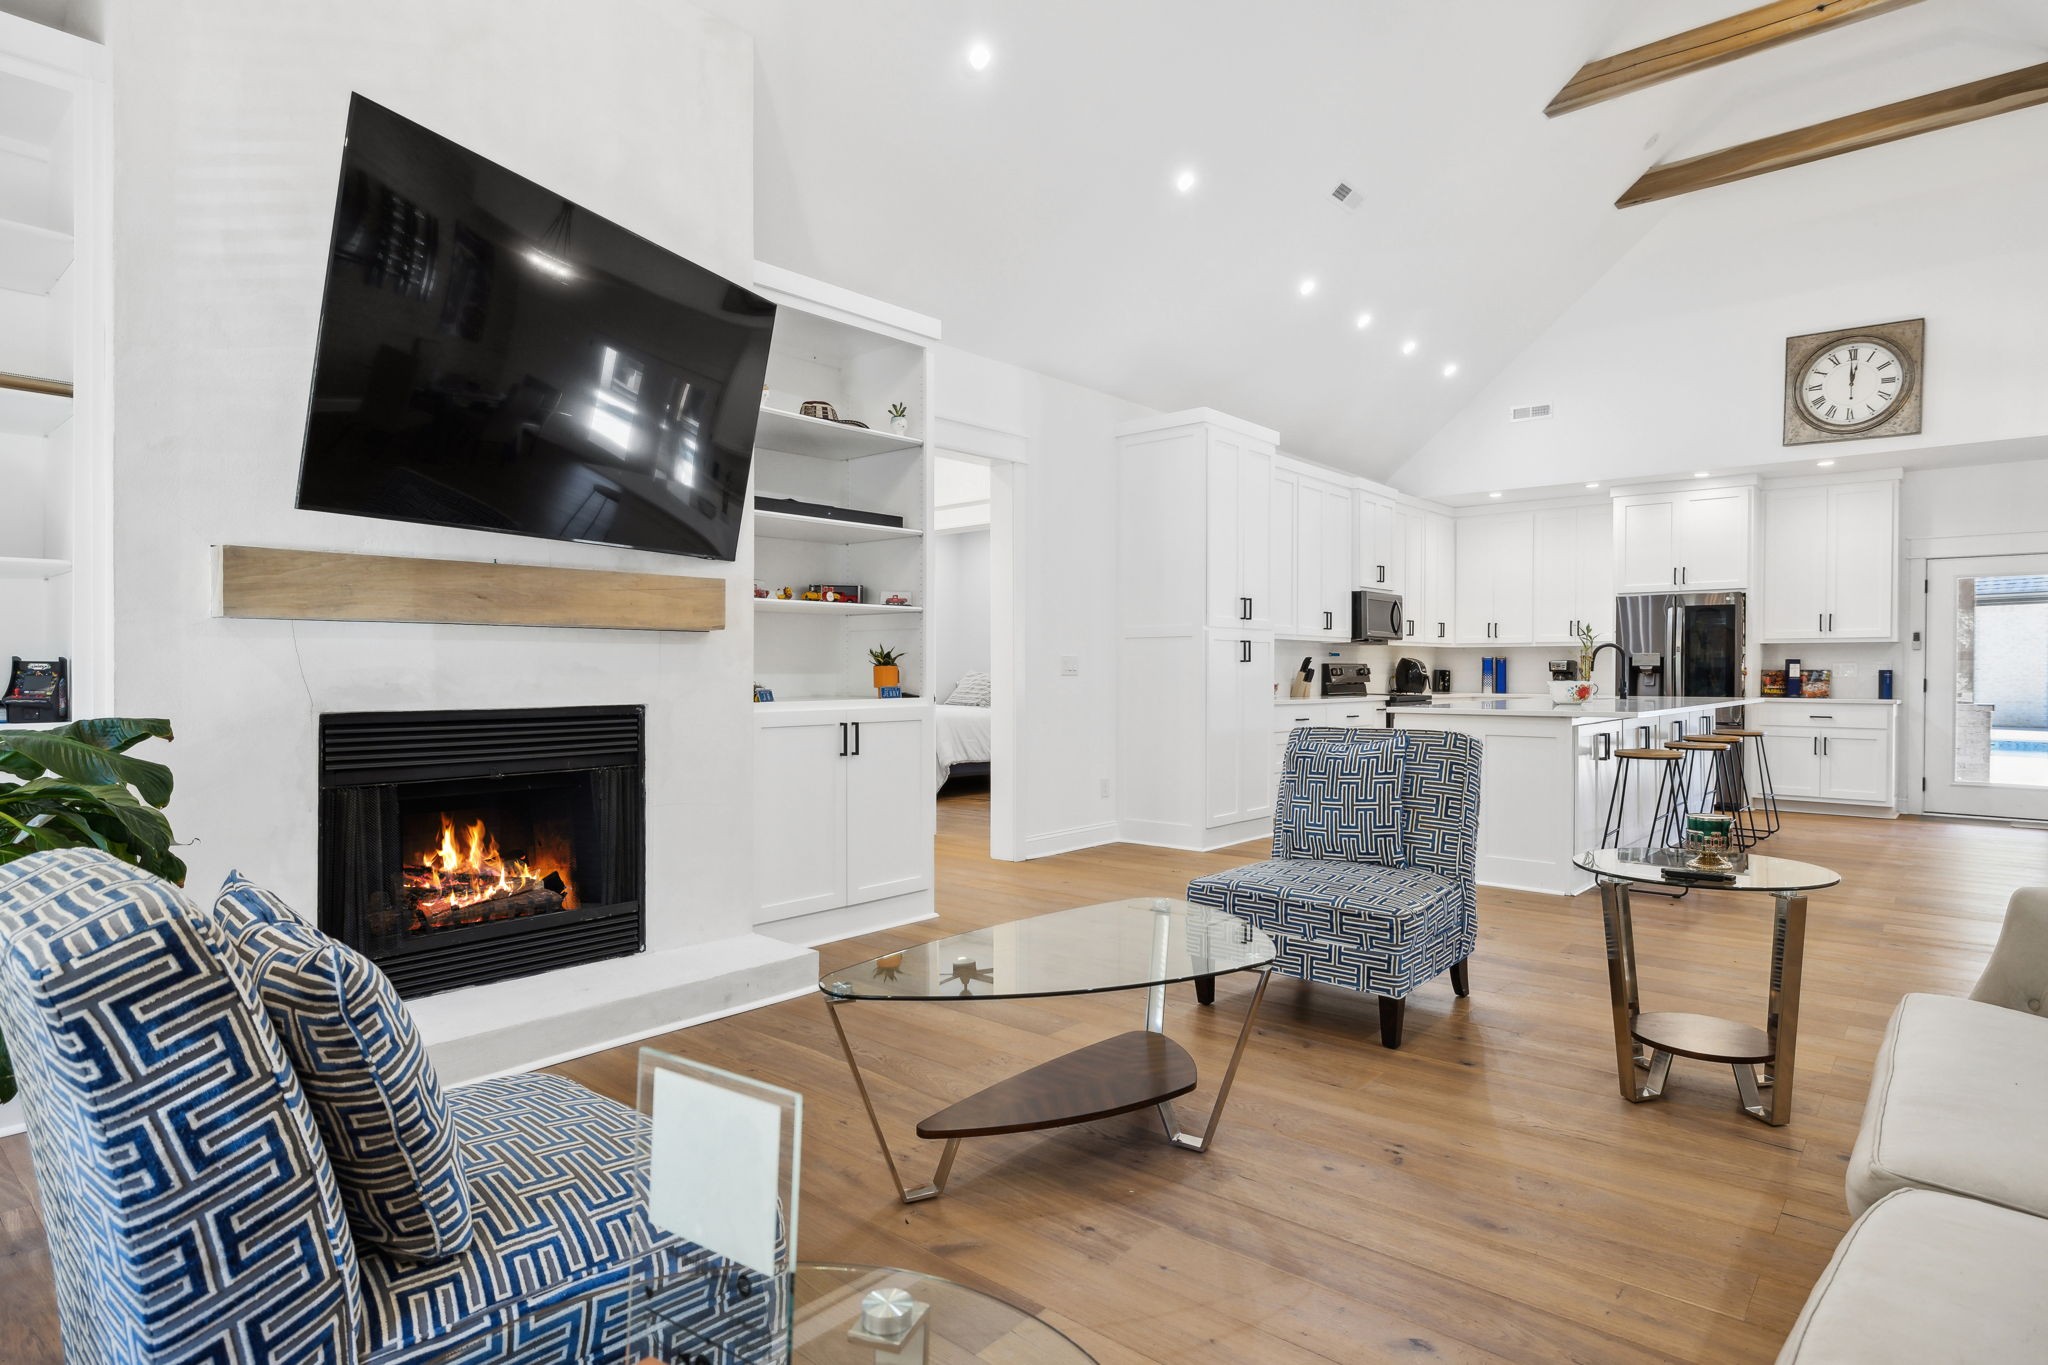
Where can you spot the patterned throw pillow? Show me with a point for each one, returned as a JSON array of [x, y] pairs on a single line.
[[359, 1059], [973, 689], [1340, 797]]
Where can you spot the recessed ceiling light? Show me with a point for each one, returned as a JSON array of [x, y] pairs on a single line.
[[1450, 369], [1307, 287], [1592, 485], [1493, 495], [1364, 321], [1184, 182], [1408, 346], [979, 56], [1825, 463], [1699, 473]]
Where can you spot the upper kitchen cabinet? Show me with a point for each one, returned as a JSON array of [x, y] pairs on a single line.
[[1311, 556], [1436, 607], [1495, 593], [1382, 552], [1196, 490], [1831, 561], [1572, 578], [1695, 539]]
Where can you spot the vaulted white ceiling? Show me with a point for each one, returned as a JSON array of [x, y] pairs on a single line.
[[1031, 206]]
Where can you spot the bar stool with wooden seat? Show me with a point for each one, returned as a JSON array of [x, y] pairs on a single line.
[[1763, 816], [1665, 823]]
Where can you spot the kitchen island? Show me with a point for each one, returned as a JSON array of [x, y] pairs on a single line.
[[1548, 772]]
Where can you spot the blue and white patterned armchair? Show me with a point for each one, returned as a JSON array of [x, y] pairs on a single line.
[[194, 1213], [1371, 885]]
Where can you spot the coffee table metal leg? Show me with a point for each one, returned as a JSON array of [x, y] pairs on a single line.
[[1788, 960], [937, 1186], [1622, 989], [1174, 1133]]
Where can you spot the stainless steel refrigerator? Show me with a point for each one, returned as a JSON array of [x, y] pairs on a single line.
[[1682, 644]]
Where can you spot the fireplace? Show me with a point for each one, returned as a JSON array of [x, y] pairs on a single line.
[[459, 847]]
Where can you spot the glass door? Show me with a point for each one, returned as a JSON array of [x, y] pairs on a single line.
[[1987, 687]]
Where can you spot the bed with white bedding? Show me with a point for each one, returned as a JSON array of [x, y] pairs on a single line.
[[966, 738]]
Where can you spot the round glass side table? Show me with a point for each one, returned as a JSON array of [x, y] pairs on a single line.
[[1645, 1043]]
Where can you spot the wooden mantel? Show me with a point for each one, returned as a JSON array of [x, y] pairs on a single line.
[[322, 585]]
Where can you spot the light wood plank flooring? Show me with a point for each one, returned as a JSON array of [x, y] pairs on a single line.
[[1481, 1194]]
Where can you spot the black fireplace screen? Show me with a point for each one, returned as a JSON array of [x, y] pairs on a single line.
[[464, 847]]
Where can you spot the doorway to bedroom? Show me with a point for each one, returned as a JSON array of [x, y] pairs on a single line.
[[960, 618]]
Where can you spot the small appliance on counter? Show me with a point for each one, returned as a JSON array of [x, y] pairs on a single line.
[[37, 690], [1410, 676], [1346, 680], [1564, 670], [1440, 680]]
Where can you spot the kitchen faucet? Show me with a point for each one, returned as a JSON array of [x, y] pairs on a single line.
[[1621, 679]]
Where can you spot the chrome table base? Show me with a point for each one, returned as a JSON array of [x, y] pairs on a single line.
[[1155, 1021], [1765, 1066]]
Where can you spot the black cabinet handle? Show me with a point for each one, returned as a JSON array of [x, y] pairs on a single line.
[[1440, 628], [1244, 609], [1246, 647], [1820, 622], [1685, 575], [842, 739], [1329, 621], [1831, 623], [1674, 575], [856, 739], [1410, 632], [1603, 747], [1816, 746], [1383, 572]]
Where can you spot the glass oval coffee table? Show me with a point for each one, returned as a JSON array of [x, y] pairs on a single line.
[[1762, 1058], [1128, 945], [857, 1315]]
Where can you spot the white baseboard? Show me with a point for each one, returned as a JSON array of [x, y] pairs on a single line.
[[851, 921], [1160, 834], [1854, 812], [1070, 840]]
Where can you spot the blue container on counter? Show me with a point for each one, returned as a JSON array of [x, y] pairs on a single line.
[[1486, 675], [1500, 673], [1884, 684]]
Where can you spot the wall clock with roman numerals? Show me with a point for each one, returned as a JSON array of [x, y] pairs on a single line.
[[1854, 384]]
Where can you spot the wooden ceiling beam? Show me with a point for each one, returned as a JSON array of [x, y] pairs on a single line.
[[1958, 104], [1709, 45]]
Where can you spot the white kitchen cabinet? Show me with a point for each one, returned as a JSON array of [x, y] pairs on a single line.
[[842, 807], [1691, 540], [1311, 557], [1440, 535], [1415, 584], [1831, 562], [1282, 546], [1381, 552], [1571, 579], [1237, 780], [1830, 749], [1239, 521], [1495, 594]]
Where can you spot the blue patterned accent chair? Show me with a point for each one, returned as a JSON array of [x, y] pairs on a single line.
[[194, 1212], [1371, 885]]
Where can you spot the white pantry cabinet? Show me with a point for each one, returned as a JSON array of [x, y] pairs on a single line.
[[1240, 472], [1695, 539], [1237, 780], [842, 806], [1831, 561]]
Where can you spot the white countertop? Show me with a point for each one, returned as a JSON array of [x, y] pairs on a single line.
[[1588, 713], [1829, 701], [808, 704]]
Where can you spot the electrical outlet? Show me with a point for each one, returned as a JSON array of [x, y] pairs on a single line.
[[1845, 671], [1105, 789], [1070, 665]]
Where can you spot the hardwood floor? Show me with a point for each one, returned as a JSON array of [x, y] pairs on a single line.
[[1483, 1193]]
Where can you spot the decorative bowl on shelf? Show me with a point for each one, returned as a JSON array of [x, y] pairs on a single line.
[[819, 409]]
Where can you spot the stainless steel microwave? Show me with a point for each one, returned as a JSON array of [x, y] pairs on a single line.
[[1375, 616]]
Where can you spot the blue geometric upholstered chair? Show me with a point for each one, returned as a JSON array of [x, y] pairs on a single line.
[[1371, 884], [195, 1204]]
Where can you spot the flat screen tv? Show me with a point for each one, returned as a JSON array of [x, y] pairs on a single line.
[[492, 356]]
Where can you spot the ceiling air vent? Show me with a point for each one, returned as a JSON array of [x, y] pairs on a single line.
[[1344, 196], [1530, 413]]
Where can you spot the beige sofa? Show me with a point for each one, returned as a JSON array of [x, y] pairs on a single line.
[[1949, 1177]]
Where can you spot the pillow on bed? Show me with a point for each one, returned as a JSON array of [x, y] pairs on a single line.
[[971, 690]]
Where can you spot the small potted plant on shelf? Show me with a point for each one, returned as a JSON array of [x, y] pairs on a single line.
[[899, 418], [888, 674]]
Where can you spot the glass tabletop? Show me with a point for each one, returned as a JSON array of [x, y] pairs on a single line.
[[1120, 945], [1753, 871], [859, 1314]]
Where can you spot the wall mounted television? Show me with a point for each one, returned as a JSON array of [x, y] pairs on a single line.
[[495, 357]]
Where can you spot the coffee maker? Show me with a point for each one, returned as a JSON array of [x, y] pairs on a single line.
[[1410, 676]]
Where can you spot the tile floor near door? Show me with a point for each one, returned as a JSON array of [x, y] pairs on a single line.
[[1481, 1194]]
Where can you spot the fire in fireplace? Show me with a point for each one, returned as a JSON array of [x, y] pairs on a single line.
[[464, 847]]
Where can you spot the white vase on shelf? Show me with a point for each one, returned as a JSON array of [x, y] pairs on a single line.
[[900, 425]]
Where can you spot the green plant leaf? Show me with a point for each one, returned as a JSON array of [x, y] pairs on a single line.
[[111, 811], [82, 761], [116, 733]]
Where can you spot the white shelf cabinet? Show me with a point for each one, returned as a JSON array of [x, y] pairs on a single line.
[[32, 258], [826, 530], [24, 412], [843, 809], [1824, 749], [1689, 540], [796, 606], [796, 434], [1831, 561]]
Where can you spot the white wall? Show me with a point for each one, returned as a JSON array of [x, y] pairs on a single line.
[[1067, 740], [960, 612], [229, 117], [1674, 360]]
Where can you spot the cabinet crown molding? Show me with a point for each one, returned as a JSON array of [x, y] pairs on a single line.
[[1198, 417], [1819, 480], [1665, 486]]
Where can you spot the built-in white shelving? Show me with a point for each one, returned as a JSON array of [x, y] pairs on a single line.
[[17, 567], [30, 411], [814, 436], [32, 259], [826, 530], [797, 606]]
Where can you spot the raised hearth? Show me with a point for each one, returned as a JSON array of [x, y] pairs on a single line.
[[460, 847]]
